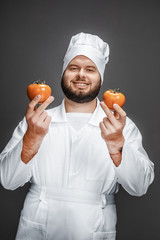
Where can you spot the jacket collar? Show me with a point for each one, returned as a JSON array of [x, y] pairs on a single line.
[[58, 114]]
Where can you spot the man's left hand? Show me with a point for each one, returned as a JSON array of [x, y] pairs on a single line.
[[112, 128]]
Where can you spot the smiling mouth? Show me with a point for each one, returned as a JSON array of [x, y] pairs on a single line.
[[80, 84]]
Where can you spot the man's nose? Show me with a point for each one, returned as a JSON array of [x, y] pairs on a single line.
[[82, 73]]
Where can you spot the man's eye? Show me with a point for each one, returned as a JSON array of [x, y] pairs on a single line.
[[90, 70], [74, 68]]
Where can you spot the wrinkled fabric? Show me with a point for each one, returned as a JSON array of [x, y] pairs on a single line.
[[71, 170]]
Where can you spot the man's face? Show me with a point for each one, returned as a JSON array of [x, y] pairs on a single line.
[[81, 80]]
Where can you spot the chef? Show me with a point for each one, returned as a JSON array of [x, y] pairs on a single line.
[[75, 155]]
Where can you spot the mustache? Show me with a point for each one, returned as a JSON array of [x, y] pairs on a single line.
[[78, 79]]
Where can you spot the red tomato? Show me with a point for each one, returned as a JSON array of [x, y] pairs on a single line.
[[113, 96], [39, 88]]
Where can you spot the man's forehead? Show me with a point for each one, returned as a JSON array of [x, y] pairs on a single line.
[[82, 59]]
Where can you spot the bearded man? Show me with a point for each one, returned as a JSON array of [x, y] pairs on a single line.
[[75, 155]]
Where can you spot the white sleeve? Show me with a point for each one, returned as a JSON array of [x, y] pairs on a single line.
[[136, 171], [13, 171]]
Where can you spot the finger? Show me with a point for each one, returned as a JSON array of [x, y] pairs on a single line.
[[108, 112], [107, 124], [116, 115], [43, 116], [103, 129], [45, 104], [47, 120], [119, 110], [32, 105]]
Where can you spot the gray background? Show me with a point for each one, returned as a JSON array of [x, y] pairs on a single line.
[[34, 38]]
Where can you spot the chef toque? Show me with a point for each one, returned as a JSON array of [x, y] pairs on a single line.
[[90, 46]]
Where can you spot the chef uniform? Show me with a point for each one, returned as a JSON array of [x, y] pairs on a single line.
[[73, 178]]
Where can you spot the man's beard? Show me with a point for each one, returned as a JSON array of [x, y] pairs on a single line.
[[80, 97]]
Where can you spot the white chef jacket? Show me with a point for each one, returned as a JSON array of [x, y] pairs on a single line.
[[73, 179]]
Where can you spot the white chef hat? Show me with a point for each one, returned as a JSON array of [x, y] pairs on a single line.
[[90, 46]]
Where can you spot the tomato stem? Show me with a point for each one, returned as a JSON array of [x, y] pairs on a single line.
[[39, 82], [115, 90], [118, 90]]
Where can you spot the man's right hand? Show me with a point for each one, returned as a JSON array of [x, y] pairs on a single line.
[[38, 122]]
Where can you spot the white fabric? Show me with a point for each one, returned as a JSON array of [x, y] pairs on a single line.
[[78, 120], [77, 162], [90, 46]]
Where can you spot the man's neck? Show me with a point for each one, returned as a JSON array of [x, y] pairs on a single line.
[[72, 106]]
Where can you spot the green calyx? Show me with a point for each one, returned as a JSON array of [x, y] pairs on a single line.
[[39, 82], [115, 90]]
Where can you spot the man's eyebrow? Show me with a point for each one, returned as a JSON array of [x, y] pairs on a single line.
[[91, 67], [71, 65], [75, 65]]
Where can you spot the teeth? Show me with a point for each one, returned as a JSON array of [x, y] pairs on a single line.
[[81, 84]]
